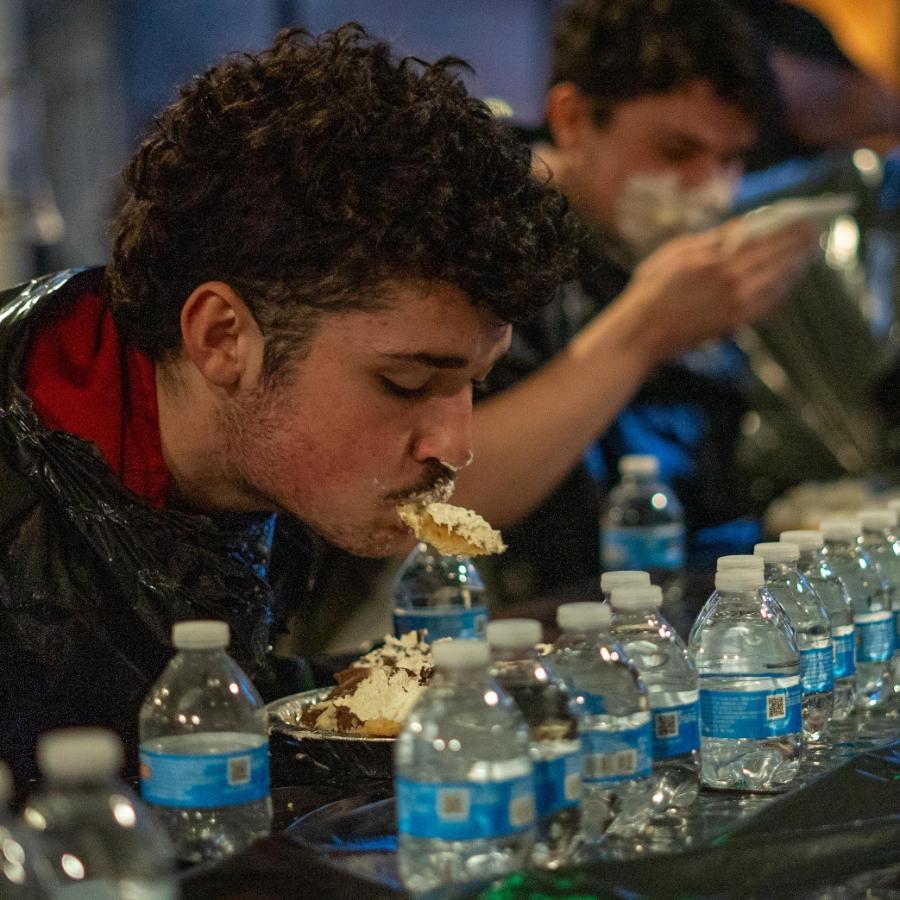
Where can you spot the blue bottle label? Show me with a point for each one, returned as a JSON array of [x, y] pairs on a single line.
[[874, 636], [654, 547], [205, 781], [443, 622], [557, 783], [751, 713], [464, 810], [611, 757], [676, 729], [817, 668], [843, 638]]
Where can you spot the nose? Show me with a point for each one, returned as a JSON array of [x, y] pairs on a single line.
[[444, 432]]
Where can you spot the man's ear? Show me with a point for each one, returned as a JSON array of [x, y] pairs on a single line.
[[220, 335], [568, 112]]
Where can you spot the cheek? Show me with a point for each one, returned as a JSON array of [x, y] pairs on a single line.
[[352, 446]]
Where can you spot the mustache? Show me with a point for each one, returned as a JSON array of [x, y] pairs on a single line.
[[436, 483]]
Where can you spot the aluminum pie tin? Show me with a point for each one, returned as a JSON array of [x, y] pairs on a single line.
[[327, 755]]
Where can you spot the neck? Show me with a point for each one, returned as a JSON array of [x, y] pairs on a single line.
[[192, 442]]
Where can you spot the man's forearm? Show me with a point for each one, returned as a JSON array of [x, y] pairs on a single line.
[[527, 438]]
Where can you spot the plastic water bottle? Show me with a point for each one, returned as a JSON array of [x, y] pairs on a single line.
[[552, 722], [831, 591], [643, 526], [99, 840], [205, 748], [880, 539], [619, 578], [463, 776], [872, 614], [745, 653], [662, 660], [614, 723], [441, 595], [812, 632], [19, 854]]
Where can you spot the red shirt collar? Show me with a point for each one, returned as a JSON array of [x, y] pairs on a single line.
[[82, 379]]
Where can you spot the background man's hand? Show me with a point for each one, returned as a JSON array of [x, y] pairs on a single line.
[[694, 287]]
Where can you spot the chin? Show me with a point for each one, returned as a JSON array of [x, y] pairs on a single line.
[[373, 543]]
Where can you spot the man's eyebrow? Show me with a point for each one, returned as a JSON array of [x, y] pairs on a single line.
[[435, 361]]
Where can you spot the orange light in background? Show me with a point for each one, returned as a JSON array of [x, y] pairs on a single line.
[[868, 31]]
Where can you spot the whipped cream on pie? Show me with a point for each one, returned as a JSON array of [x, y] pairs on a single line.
[[375, 694], [451, 530]]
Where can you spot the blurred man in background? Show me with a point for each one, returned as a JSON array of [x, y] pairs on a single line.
[[650, 109]]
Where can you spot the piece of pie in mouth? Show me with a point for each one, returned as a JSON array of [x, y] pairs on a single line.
[[451, 530]]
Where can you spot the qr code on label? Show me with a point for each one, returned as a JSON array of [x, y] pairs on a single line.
[[776, 706], [608, 765], [453, 804], [666, 724], [239, 770], [521, 811]]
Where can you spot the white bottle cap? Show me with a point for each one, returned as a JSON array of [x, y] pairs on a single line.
[[739, 580], [639, 465], [201, 634], [804, 539], [514, 634], [738, 561], [878, 519], [839, 529], [636, 596], [79, 754], [583, 615], [6, 784], [609, 581], [462, 653], [777, 551]]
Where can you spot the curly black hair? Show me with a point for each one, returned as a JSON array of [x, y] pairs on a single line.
[[616, 50], [310, 175]]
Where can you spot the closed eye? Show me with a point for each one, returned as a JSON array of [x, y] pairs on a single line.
[[407, 393]]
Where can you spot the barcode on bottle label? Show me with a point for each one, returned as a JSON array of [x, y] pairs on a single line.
[[606, 765], [613, 756], [666, 724], [453, 804], [521, 811], [239, 770], [464, 810], [676, 729], [776, 706]]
